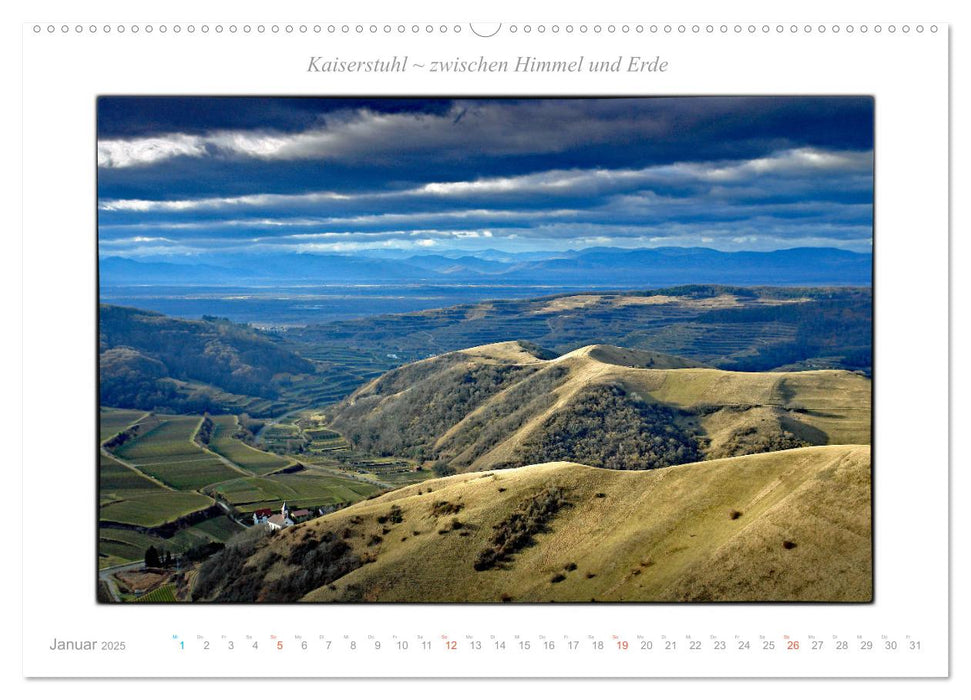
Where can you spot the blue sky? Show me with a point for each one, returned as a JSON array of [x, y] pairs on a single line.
[[189, 177]]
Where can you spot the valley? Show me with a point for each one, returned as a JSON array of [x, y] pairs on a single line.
[[718, 405], [161, 486], [148, 360], [499, 350]]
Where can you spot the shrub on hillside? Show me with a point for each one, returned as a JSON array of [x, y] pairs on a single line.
[[605, 426], [516, 532], [440, 393]]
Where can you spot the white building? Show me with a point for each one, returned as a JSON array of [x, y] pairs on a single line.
[[280, 520]]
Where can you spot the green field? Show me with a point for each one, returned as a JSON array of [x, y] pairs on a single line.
[[331, 451], [332, 445], [118, 482], [153, 508], [113, 549], [390, 471], [281, 431], [283, 437], [118, 546], [218, 529], [323, 434], [114, 420], [162, 594], [302, 490], [164, 449], [240, 453]]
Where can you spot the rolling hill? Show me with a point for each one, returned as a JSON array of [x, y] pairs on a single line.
[[737, 328], [792, 525], [152, 361], [149, 360], [508, 404]]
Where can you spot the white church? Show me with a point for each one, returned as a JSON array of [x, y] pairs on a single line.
[[280, 520]]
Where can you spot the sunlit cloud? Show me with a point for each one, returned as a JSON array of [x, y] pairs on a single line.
[[796, 163]]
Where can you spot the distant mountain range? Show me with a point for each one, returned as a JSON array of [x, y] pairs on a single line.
[[597, 267]]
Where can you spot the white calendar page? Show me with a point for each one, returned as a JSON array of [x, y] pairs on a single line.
[[901, 67]]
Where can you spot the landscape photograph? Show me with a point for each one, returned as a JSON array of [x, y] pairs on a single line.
[[484, 350]]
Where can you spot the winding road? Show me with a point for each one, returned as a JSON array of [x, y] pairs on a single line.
[[105, 575]]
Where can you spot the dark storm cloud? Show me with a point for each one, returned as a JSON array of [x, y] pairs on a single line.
[[188, 174]]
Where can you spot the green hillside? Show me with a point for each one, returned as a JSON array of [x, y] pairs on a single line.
[[149, 360]]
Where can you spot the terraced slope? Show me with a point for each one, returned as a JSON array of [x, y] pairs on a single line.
[[164, 449]]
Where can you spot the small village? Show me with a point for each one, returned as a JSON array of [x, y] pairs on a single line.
[[285, 518]]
